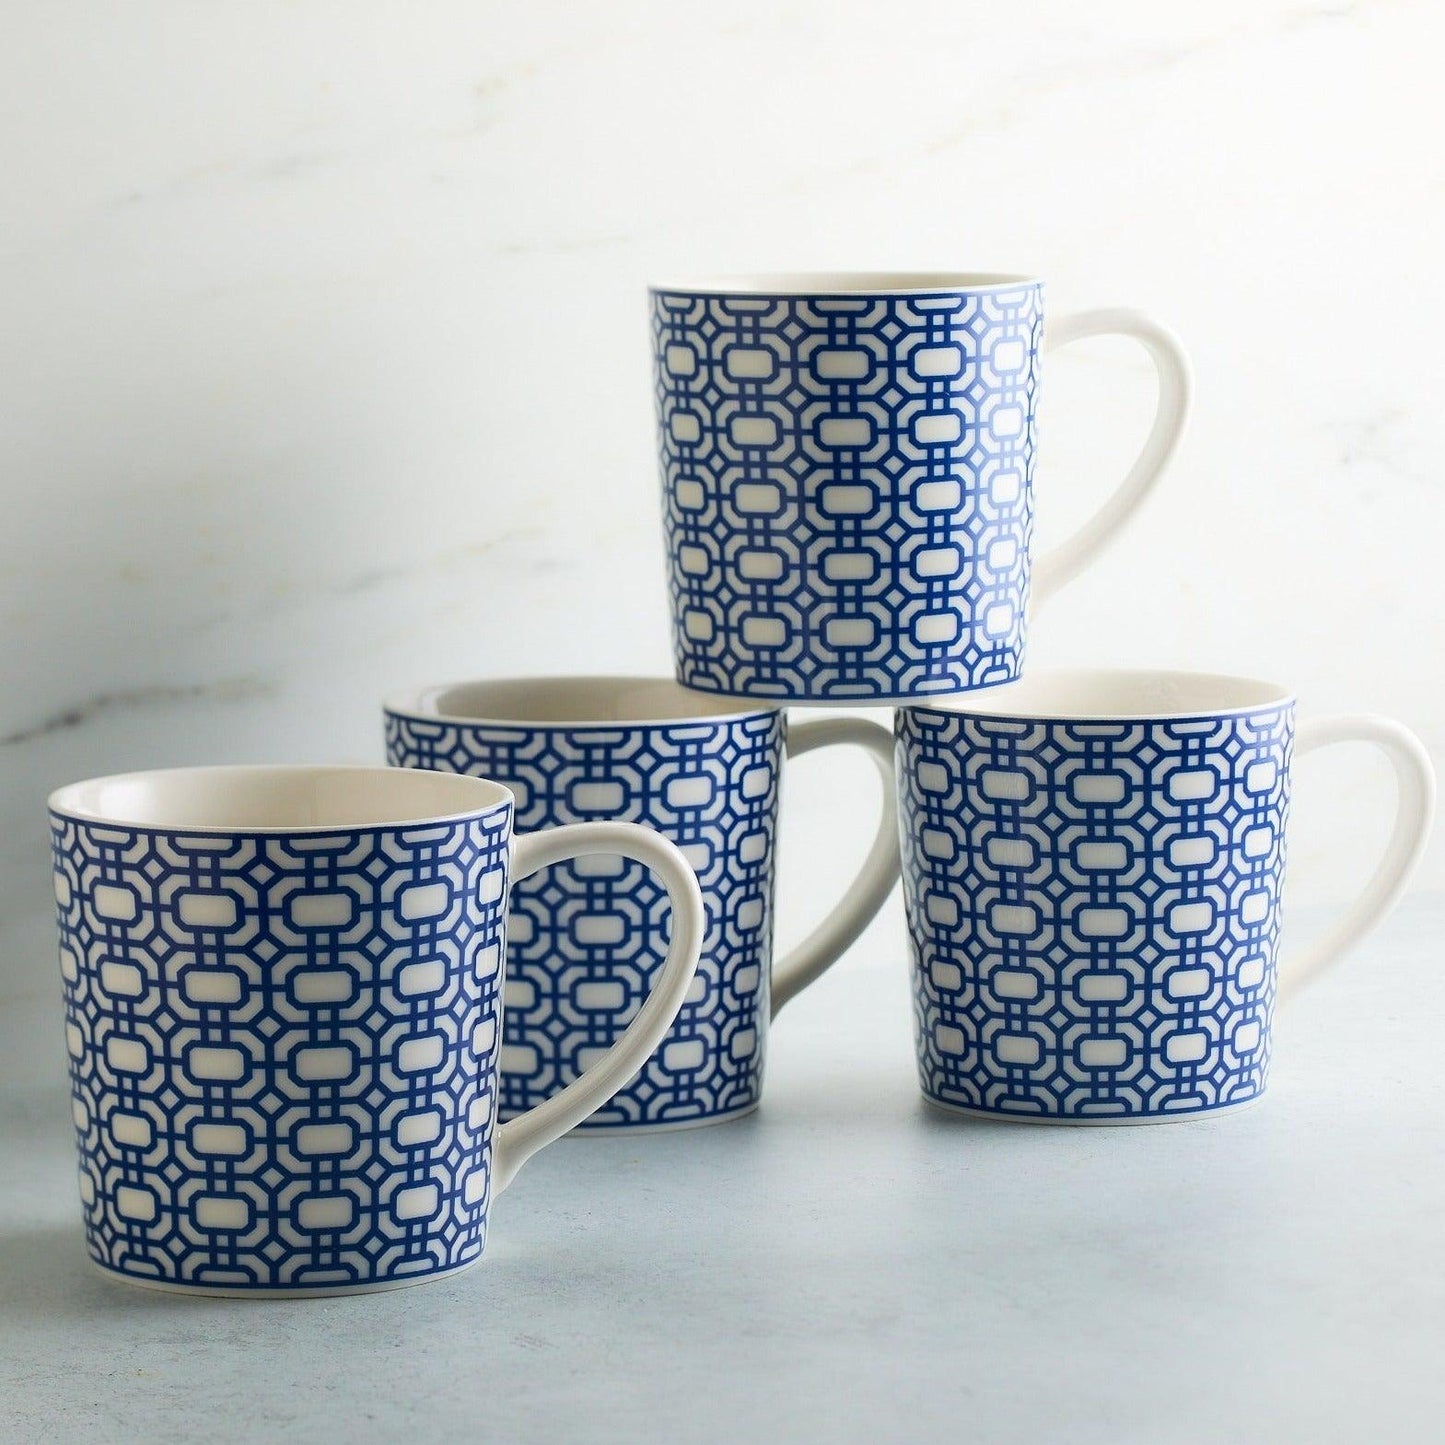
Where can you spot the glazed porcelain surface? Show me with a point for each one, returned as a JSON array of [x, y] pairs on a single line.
[[1092, 874], [585, 939], [283, 1004], [848, 471]]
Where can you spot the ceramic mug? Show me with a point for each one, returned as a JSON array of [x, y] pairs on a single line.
[[847, 466], [586, 939], [283, 1008], [1092, 865]]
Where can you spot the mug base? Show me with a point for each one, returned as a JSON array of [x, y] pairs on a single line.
[[665, 1126], [325, 1291], [1093, 1121]]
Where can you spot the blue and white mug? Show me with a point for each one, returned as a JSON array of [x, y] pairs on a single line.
[[283, 1013], [586, 939], [848, 468], [1092, 864]]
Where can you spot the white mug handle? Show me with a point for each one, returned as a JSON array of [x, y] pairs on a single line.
[[1414, 810], [518, 1139], [1052, 570], [830, 939]]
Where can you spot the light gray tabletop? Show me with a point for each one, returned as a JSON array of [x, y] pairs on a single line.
[[844, 1265]]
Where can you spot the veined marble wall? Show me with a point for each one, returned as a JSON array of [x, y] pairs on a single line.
[[325, 354]]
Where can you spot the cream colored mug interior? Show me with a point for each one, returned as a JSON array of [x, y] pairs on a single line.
[[1106, 696], [279, 799], [575, 701]]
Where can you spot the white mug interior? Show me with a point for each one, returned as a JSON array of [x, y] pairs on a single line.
[[276, 799], [569, 701], [1099, 695]]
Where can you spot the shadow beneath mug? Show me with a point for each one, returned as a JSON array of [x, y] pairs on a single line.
[[939, 1119], [45, 1273], [936, 1119], [836, 1099]]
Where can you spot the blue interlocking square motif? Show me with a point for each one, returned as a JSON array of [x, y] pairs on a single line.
[[1093, 909], [587, 938], [283, 1047], [847, 488]]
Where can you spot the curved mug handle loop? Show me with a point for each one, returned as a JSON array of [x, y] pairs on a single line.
[[517, 1140], [1171, 363], [1414, 811], [875, 879]]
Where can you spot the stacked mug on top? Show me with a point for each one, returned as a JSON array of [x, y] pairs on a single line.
[[318, 1017]]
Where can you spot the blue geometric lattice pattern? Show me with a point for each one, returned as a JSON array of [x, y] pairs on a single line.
[[283, 1047], [847, 488], [1093, 909], [586, 939]]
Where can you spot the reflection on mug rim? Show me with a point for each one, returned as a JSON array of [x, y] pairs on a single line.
[[798, 284], [443, 702], [1182, 696]]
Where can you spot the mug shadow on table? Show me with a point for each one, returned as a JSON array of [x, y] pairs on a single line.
[[45, 1274], [936, 1121]]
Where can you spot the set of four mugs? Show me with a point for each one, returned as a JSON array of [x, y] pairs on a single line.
[[317, 1017]]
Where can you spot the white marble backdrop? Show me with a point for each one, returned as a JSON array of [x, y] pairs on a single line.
[[325, 362]]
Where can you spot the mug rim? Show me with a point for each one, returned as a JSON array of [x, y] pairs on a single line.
[[846, 283], [423, 704], [1240, 696], [69, 801]]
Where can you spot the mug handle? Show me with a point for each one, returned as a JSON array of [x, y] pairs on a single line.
[[1061, 565], [830, 940], [1414, 810], [518, 1139]]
